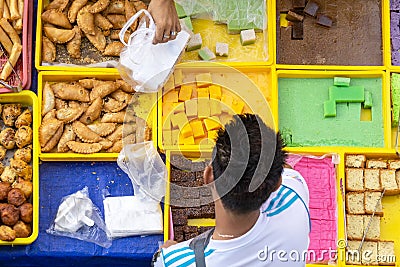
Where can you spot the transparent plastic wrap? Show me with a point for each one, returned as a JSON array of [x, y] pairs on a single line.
[[146, 170], [77, 217], [145, 66], [222, 21]]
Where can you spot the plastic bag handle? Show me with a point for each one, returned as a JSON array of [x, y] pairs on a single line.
[[131, 21]]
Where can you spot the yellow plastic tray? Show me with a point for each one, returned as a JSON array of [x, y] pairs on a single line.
[[241, 85], [65, 76], [350, 74], [27, 98]]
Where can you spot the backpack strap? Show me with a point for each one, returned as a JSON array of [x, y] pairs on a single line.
[[198, 244]]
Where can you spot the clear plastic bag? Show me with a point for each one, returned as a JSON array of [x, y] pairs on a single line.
[[77, 217], [145, 168], [145, 66]]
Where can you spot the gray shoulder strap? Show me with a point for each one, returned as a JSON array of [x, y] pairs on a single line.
[[198, 244]]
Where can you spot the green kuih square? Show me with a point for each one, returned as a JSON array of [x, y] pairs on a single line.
[[352, 94], [247, 37], [368, 100], [233, 27], [341, 81], [188, 22], [206, 54], [329, 108], [194, 43], [179, 9]]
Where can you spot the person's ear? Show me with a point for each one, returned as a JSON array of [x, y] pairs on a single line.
[[208, 175]]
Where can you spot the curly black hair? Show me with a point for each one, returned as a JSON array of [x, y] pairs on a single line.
[[248, 160]]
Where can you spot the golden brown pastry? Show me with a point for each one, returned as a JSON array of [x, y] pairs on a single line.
[[87, 83], [24, 154], [48, 50], [14, 12], [125, 86], [3, 152], [118, 21], [116, 148], [57, 4], [69, 114], [84, 133], [84, 148], [9, 175], [113, 49], [26, 211], [23, 136], [122, 96], [61, 104], [4, 189], [49, 115], [130, 11], [22, 168], [117, 134], [48, 129], [113, 105], [139, 5], [116, 7], [101, 22], [57, 18], [11, 113], [93, 112], [7, 138], [9, 214], [48, 99], [114, 35], [58, 36], [74, 46], [102, 128], [85, 21], [105, 144], [16, 197], [117, 117], [68, 135], [22, 230], [9, 29], [53, 140], [129, 139], [25, 119], [6, 42], [7, 233], [70, 91], [99, 6], [74, 9], [102, 89], [98, 39], [24, 186], [12, 61]]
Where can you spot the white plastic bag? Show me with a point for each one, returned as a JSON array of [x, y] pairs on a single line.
[[77, 217], [145, 66]]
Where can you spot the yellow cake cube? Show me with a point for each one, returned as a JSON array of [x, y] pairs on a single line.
[[237, 106], [203, 79], [170, 96], [178, 77], [179, 120], [215, 107], [167, 123], [203, 107], [191, 108], [212, 135], [179, 107], [185, 93], [189, 140], [187, 131], [211, 124], [167, 138], [203, 92], [227, 102], [215, 91], [167, 108], [197, 128]]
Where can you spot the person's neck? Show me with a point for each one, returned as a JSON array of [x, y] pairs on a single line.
[[230, 225]]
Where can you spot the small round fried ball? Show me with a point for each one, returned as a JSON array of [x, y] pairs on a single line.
[[7, 233], [26, 211], [10, 215], [16, 197], [24, 154], [4, 189], [22, 230], [25, 186]]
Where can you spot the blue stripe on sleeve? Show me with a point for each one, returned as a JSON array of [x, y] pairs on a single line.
[[176, 251], [191, 261], [179, 257], [287, 205], [271, 204]]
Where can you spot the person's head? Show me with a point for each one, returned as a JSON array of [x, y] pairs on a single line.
[[245, 150]]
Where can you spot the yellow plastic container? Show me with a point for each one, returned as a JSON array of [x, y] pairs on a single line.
[[350, 74], [28, 98], [264, 43], [245, 81], [112, 74]]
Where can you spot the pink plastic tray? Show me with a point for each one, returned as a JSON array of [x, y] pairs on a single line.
[[23, 66]]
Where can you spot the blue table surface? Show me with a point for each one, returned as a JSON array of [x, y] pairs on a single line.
[[59, 179]]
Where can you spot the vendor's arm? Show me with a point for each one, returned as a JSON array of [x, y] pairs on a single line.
[[166, 20]]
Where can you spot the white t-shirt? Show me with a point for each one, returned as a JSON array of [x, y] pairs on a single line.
[[278, 238]]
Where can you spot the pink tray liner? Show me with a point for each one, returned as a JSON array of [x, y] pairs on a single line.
[[323, 208], [24, 63]]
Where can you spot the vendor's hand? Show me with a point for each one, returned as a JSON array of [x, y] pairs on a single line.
[[166, 20], [168, 243]]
